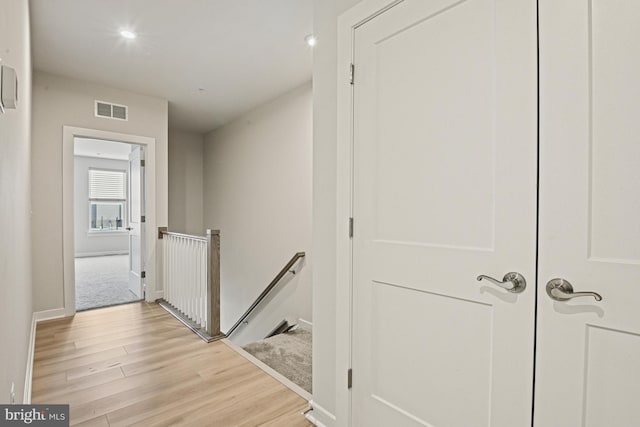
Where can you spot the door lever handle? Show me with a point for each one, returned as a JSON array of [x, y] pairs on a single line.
[[512, 281], [561, 290]]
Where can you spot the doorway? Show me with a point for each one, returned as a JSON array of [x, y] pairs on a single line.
[[141, 243], [108, 205]]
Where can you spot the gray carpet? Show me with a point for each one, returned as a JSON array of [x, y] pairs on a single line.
[[288, 353], [102, 281]]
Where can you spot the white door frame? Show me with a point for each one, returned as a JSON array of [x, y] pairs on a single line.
[[347, 24], [69, 133]]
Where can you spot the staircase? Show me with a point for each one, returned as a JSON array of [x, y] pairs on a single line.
[[288, 353], [192, 295]]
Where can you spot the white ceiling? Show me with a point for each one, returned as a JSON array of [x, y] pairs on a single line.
[[88, 147], [241, 52]]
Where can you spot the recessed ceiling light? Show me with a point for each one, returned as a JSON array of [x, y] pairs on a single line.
[[311, 40], [128, 34]]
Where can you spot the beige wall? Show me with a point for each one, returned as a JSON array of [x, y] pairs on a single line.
[[15, 203], [185, 182], [60, 101], [257, 184], [324, 205]]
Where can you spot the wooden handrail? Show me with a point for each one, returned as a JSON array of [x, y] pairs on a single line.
[[188, 236]]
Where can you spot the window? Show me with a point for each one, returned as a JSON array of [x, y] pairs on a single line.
[[107, 199]]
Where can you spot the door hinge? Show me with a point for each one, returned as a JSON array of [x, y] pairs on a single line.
[[351, 227], [349, 378], [143, 274], [352, 73], [142, 163], [143, 218]]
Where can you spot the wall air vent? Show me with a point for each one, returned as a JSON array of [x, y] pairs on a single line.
[[109, 110]]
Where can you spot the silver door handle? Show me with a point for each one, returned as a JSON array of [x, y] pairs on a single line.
[[561, 290], [129, 228], [512, 281]]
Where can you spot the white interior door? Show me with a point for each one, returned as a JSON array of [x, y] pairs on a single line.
[[136, 221], [445, 155], [588, 351]]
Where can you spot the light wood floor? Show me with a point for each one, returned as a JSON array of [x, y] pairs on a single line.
[[136, 365]]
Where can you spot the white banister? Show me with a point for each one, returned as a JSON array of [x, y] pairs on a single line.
[[192, 279]]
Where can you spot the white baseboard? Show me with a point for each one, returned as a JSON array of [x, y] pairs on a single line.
[[37, 316], [56, 313], [309, 416], [306, 322], [104, 253], [26, 399], [319, 416]]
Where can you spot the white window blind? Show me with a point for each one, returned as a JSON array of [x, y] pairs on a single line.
[[107, 184]]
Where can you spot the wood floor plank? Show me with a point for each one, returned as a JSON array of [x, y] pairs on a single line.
[[289, 419], [164, 405], [53, 388], [136, 365], [83, 369], [116, 399], [219, 403], [81, 348], [100, 421], [45, 367]]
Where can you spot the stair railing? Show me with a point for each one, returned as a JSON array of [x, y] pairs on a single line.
[[286, 269], [192, 281]]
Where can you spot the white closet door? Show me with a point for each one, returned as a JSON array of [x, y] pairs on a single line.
[[588, 351], [445, 154]]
